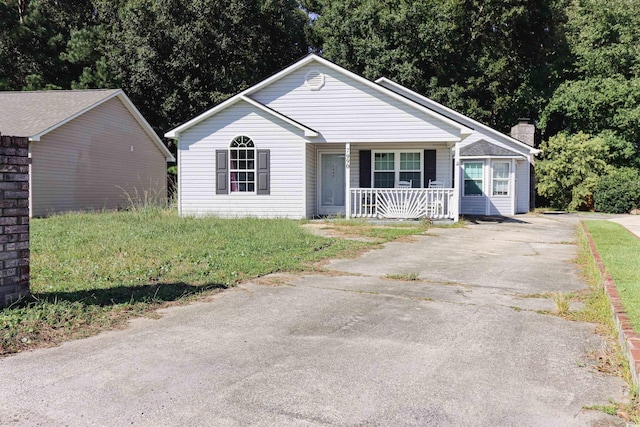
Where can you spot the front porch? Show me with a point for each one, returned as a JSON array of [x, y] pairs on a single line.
[[401, 203], [387, 181]]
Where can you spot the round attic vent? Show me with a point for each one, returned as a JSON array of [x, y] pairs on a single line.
[[314, 80]]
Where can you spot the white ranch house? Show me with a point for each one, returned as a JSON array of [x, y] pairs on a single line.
[[316, 139]]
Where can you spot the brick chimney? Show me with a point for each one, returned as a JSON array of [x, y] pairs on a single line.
[[525, 131]]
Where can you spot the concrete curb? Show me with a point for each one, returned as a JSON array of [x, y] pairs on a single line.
[[629, 340]]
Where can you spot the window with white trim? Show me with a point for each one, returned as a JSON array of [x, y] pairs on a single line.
[[242, 165], [392, 167], [500, 186], [473, 173]]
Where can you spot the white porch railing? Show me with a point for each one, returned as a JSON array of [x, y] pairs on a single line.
[[402, 203]]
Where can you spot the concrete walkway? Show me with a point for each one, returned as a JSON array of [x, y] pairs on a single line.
[[630, 222], [467, 344]]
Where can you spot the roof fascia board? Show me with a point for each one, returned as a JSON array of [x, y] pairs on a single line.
[[37, 136], [461, 116], [307, 130]]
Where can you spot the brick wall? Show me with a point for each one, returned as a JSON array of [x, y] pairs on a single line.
[[14, 219]]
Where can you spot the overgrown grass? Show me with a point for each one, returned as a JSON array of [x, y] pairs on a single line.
[[562, 301], [620, 252], [93, 271], [381, 232], [596, 306], [406, 277]]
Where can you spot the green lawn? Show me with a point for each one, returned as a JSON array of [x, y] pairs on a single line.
[[93, 271], [620, 252]]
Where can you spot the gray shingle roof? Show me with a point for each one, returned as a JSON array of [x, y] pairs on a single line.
[[485, 148], [31, 113]]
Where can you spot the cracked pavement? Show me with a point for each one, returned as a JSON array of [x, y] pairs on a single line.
[[466, 344]]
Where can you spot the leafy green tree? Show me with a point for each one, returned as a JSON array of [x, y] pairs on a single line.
[[33, 34], [600, 96], [594, 105], [618, 191], [176, 58], [605, 37], [602, 90], [494, 60], [570, 168]]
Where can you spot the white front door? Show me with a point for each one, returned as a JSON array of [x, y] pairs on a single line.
[[332, 184]]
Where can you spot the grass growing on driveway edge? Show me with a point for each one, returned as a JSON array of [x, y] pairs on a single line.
[[620, 252], [597, 309], [94, 271]]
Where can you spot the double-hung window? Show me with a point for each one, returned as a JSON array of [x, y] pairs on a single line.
[[389, 168], [473, 172], [242, 165], [500, 178]]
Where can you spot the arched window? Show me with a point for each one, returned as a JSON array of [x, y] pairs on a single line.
[[242, 165]]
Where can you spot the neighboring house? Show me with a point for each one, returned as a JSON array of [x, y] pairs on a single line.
[[89, 149], [316, 139]]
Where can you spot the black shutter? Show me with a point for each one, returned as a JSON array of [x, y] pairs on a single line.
[[222, 172], [263, 170], [429, 166], [365, 168]]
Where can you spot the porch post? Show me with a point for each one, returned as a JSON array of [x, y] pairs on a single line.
[[347, 180], [456, 183]]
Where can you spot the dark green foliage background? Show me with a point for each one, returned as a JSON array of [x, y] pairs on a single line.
[[618, 191], [571, 65]]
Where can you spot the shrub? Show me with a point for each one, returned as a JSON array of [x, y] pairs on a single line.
[[570, 168], [618, 191]]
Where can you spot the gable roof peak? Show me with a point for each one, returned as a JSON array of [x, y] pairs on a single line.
[[33, 114], [465, 131]]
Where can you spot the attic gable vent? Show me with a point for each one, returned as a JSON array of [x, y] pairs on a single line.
[[314, 80]]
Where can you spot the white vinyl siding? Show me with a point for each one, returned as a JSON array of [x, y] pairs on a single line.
[[347, 110], [287, 160], [96, 161]]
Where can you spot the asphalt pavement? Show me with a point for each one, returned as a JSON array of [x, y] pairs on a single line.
[[471, 343]]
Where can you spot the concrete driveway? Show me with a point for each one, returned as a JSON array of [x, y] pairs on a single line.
[[462, 346]]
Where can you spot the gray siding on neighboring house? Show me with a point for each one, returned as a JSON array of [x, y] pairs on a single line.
[[287, 147], [94, 161], [346, 110]]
